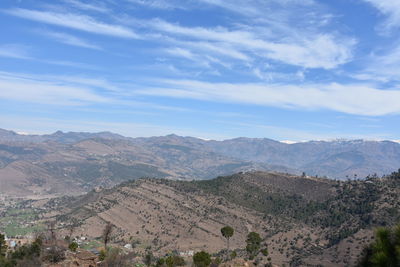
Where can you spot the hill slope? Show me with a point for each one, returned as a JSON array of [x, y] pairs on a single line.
[[302, 220]]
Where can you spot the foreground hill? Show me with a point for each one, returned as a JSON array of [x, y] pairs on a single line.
[[72, 163], [302, 220]]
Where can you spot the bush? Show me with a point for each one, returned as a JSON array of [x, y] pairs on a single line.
[[264, 251], [160, 262], [215, 262], [54, 254], [175, 260], [201, 259], [102, 255], [114, 258], [73, 246]]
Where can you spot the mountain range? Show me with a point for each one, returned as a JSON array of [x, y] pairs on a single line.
[[75, 162]]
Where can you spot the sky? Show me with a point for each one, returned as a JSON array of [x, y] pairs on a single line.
[[214, 69]]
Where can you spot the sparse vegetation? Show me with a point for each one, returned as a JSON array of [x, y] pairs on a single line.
[[332, 222], [202, 259]]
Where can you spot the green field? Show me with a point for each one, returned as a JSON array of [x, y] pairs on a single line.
[[14, 220]]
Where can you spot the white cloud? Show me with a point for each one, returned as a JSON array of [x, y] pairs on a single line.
[[181, 53], [352, 98], [71, 40], [390, 8], [312, 51], [74, 21]]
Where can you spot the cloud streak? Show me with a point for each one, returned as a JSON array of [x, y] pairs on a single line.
[[71, 40], [314, 51], [14, 51], [74, 21], [25, 88], [358, 99], [390, 8]]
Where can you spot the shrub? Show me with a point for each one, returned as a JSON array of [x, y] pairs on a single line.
[[175, 260], [102, 255], [73, 246], [264, 251], [201, 259]]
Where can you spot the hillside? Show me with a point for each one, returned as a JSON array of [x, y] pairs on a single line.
[[73, 163], [302, 220]]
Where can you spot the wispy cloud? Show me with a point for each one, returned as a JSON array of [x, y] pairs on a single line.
[[66, 63], [390, 8], [15, 51], [74, 21], [159, 4], [381, 67], [94, 6], [357, 99], [312, 51], [23, 52], [76, 91], [71, 40], [25, 88]]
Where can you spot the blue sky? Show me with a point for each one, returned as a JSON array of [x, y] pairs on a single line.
[[216, 69]]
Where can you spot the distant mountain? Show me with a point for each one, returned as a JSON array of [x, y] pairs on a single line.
[[335, 159], [75, 162], [59, 136], [60, 166]]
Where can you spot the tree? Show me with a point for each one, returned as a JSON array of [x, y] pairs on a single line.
[[107, 234], [227, 232], [201, 259], [253, 244], [384, 251], [3, 246]]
